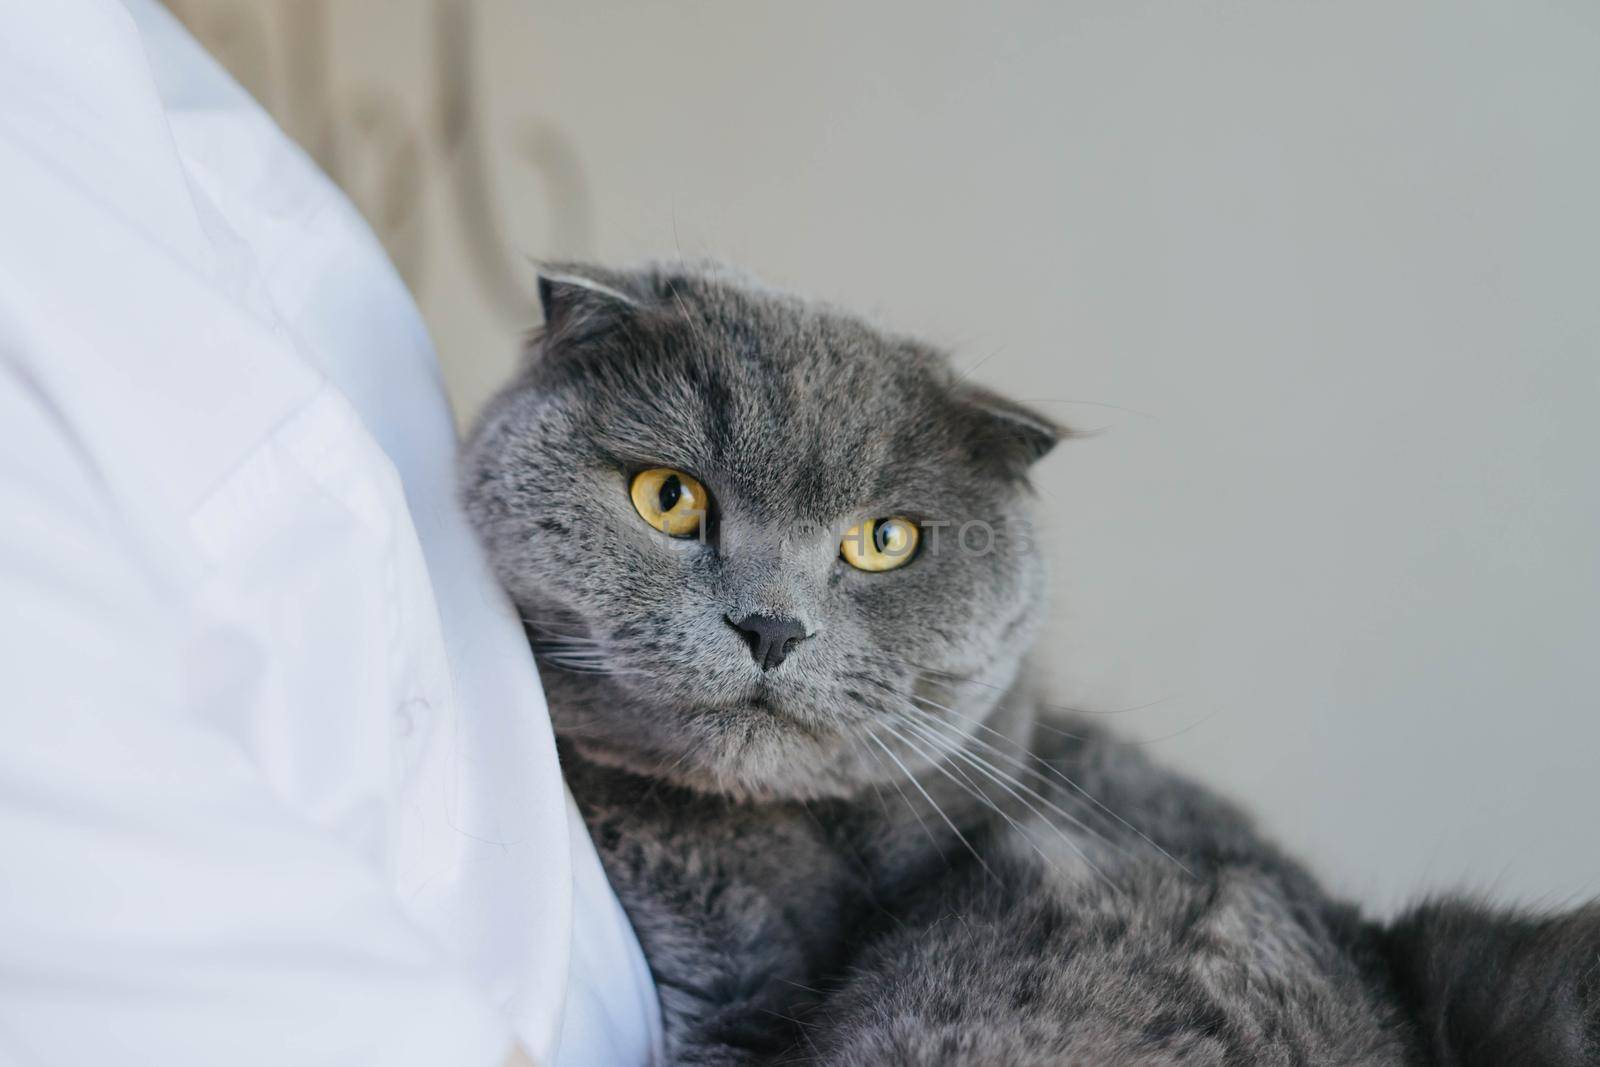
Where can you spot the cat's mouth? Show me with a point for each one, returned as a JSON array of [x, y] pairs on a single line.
[[771, 703], [766, 701]]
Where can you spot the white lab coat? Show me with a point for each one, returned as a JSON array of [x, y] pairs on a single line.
[[277, 783]]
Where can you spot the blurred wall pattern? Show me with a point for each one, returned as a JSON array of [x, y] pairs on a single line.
[[1323, 274], [385, 95]]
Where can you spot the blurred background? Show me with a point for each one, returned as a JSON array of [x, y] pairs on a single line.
[[1325, 278]]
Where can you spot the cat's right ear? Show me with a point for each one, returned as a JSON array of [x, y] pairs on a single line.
[[579, 305], [1006, 431]]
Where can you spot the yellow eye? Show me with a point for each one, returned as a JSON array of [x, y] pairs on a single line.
[[671, 501], [880, 544]]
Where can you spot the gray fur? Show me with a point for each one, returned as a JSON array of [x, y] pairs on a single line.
[[887, 850]]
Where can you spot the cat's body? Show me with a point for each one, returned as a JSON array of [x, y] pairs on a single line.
[[864, 840], [850, 932]]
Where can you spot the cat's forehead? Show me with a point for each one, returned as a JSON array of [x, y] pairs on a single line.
[[787, 409]]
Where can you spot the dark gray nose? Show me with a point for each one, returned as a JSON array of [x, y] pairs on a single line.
[[770, 639]]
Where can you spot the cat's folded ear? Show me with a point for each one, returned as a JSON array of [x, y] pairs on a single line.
[[1006, 432], [581, 302]]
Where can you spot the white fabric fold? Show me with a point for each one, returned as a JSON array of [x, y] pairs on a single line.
[[278, 784]]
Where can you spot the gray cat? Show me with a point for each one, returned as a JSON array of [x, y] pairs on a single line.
[[777, 569]]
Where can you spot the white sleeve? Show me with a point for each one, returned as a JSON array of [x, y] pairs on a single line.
[[158, 905]]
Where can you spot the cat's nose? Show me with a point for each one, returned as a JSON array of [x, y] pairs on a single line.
[[770, 639]]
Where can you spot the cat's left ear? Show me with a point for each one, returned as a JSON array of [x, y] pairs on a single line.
[[1004, 430], [580, 302]]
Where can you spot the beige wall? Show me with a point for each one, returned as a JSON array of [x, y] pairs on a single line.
[[1323, 274]]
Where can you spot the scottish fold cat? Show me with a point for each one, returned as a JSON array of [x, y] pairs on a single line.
[[779, 571]]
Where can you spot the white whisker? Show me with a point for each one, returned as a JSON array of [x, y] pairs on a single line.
[[967, 784], [1052, 768], [895, 782], [934, 804], [954, 748]]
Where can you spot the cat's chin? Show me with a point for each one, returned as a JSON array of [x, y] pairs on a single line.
[[756, 754]]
